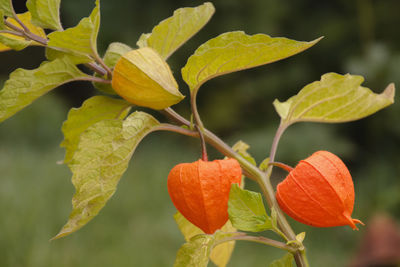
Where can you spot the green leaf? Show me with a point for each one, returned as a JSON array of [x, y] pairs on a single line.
[[6, 6], [241, 147], [221, 254], [335, 98], [93, 110], [174, 31], [285, 261], [246, 210], [111, 57], [234, 51], [54, 53], [25, 86], [102, 156], [195, 253], [45, 13], [11, 41], [2, 25], [264, 164], [81, 39]]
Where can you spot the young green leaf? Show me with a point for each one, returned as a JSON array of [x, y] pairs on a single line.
[[93, 110], [81, 39], [113, 54], [285, 261], [195, 253], [241, 147], [246, 210], [174, 31], [143, 78], [6, 6], [102, 156], [25, 86], [11, 41], [221, 254], [234, 51], [335, 98], [45, 13]]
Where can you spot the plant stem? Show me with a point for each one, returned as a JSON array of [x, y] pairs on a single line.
[[257, 239], [254, 173]]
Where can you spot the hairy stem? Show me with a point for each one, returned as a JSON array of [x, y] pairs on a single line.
[[257, 239]]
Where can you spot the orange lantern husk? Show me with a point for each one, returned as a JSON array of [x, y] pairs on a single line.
[[200, 191], [319, 191]]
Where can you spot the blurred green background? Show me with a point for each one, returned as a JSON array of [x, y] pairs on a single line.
[[136, 227]]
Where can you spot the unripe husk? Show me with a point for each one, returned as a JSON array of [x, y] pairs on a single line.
[[143, 78], [200, 191], [319, 191]]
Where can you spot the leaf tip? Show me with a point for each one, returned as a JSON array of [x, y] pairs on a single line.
[[389, 92]]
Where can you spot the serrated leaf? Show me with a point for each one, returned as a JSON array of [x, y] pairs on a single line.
[[25, 86], [221, 254], [10, 41], [103, 154], [196, 252], [285, 261], [241, 147], [234, 51], [6, 6], [45, 13], [81, 39], [93, 110], [143, 78], [174, 31], [113, 54], [246, 210], [335, 98]]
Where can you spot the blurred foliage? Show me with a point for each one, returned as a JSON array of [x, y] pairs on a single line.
[[136, 228]]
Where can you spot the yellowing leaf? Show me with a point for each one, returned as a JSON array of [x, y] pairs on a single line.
[[143, 78], [335, 98], [81, 39], [234, 51], [102, 156], [220, 254], [195, 253], [174, 31], [45, 13], [25, 86], [93, 110], [10, 41]]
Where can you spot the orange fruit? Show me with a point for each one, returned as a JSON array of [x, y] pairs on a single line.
[[200, 191], [319, 191]]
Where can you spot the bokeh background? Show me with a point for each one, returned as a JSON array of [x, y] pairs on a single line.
[[136, 227]]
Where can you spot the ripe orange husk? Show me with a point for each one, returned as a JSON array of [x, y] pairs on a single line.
[[200, 191], [319, 191]]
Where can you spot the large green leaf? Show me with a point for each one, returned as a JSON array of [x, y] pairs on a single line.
[[113, 54], [221, 254], [93, 110], [102, 156], [25, 86], [174, 31], [335, 98], [234, 51], [45, 13], [81, 39], [285, 261], [246, 210], [6, 6]]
